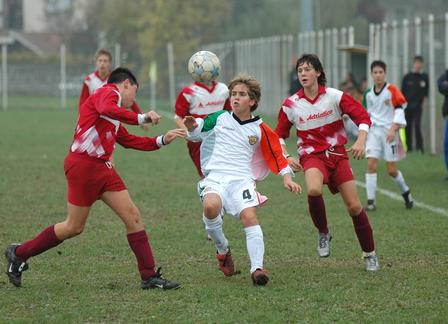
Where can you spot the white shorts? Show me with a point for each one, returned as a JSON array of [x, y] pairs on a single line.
[[236, 194], [378, 148]]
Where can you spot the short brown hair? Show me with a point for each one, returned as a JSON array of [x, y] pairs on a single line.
[[103, 52], [253, 87]]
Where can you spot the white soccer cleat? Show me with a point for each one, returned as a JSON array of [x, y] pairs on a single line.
[[323, 245], [372, 263]]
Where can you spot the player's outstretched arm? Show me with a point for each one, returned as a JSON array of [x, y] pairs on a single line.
[[291, 185], [173, 134]]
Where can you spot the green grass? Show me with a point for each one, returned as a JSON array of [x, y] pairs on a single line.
[[93, 277]]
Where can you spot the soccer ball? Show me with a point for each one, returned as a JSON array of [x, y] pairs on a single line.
[[204, 66]]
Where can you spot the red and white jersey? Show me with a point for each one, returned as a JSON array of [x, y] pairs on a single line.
[[93, 82], [385, 107], [198, 101], [99, 126], [318, 122]]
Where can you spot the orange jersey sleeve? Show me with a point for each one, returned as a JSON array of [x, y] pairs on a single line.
[[271, 149]]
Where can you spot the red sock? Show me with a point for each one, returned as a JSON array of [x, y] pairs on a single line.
[[364, 231], [44, 241], [316, 206], [140, 245]]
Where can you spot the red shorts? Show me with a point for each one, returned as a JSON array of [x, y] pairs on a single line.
[[334, 166], [88, 178], [194, 148]]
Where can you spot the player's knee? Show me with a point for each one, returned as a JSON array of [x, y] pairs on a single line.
[[354, 208], [211, 209], [314, 192]]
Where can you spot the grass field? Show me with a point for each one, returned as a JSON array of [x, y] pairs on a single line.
[[93, 277]]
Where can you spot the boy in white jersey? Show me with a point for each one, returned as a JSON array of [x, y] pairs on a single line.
[[237, 149], [385, 104]]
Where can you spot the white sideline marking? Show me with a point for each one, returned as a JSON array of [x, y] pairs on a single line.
[[393, 195]]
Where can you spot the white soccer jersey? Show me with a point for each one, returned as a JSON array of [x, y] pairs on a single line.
[[385, 107], [236, 148]]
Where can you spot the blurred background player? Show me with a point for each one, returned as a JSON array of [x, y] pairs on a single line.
[[95, 80], [385, 104], [415, 87], [91, 176], [232, 145], [204, 96], [316, 113], [442, 84]]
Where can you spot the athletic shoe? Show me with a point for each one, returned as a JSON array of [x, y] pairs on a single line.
[[226, 263], [209, 238], [14, 267], [408, 201], [372, 263], [370, 205], [323, 245], [260, 277], [157, 281]]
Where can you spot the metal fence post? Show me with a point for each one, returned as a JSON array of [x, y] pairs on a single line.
[[63, 84], [432, 85]]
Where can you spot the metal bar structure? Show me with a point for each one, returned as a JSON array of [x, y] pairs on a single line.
[[63, 72]]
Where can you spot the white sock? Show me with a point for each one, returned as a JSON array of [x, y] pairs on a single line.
[[214, 229], [399, 180], [255, 246], [371, 179]]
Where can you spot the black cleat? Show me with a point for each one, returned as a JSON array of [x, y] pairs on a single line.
[[157, 281], [14, 267], [408, 201], [370, 205]]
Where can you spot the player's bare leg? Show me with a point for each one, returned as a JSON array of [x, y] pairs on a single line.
[[316, 206], [213, 224], [255, 246], [122, 204], [349, 194]]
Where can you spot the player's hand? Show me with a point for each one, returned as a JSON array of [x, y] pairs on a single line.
[[294, 164], [173, 134], [291, 185], [190, 123], [152, 117], [358, 150], [144, 126], [390, 135]]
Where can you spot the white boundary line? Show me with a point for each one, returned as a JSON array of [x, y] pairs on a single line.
[[393, 195]]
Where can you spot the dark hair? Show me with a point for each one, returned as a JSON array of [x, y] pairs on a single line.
[[120, 74], [103, 52], [418, 58], [253, 87], [379, 63], [313, 60]]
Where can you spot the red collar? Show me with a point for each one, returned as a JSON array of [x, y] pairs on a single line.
[[321, 90], [98, 75], [200, 84]]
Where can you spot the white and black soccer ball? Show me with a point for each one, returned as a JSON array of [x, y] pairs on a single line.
[[204, 66]]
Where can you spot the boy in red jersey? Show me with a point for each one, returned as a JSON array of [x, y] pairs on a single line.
[[316, 113], [95, 80], [198, 100], [91, 176]]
